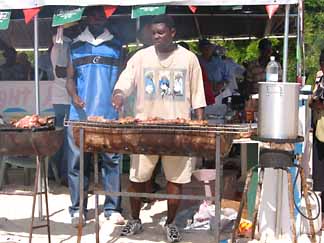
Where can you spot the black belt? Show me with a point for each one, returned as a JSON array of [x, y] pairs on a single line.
[[96, 60]]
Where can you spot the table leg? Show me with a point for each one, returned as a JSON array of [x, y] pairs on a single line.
[[218, 171], [243, 161], [96, 182], [81, 184]]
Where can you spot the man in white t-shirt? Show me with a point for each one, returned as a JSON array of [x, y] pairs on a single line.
[[168, 83]]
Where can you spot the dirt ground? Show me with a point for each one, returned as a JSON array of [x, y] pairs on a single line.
[[15, 218]]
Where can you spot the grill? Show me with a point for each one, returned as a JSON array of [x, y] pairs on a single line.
[[162, 139], [41, 141]]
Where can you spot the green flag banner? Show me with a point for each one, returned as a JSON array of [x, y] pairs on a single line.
[[138, 11], [64, 16], [4, 19]]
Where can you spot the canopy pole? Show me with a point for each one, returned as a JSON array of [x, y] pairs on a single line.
[[285, 48], [36, 64], [298, 45], [40, 176], [302, 33], [197, 27], [138, 26]]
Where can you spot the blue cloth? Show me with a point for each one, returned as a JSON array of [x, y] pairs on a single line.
[[95, 81], [96, 71], [110, 171], [216, 69]]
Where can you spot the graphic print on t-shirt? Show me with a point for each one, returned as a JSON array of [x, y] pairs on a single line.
[[178, 83], [164, 84], [149, 84]]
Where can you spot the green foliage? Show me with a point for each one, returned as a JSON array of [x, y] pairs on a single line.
[[314, 5], [314, 38]]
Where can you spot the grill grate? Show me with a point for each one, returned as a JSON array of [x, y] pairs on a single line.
[[216, 129]]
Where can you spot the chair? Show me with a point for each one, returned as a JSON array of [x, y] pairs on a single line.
[[26, 162]]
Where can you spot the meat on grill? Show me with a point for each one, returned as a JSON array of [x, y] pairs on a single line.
[[30, 121], [150, 120]]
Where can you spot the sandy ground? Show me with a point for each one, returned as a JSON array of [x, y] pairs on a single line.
[[15, 213]]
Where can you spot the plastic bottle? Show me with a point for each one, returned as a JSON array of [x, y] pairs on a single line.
[[229, 112], [272, 70]]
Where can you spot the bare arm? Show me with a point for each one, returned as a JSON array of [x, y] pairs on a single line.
[[71, 87], [118, 99]]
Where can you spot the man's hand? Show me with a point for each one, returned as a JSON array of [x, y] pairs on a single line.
[[118, 100], [78, 102]]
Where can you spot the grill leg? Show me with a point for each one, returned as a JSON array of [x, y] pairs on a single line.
[[96, 182], [81, 185], [40, 189], [291, 207], [46, 202], [218, 171], [308, 206], [257, 203], [34, 198], [244, 196]]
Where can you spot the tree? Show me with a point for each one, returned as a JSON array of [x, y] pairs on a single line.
[[314, 36]]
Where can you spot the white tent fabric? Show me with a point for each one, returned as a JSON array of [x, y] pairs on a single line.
[[9, 4]]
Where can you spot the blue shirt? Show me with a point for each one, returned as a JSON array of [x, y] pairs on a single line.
[[96, 72], [216, 68]]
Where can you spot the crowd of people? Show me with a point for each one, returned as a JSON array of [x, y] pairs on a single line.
[[91, 78]]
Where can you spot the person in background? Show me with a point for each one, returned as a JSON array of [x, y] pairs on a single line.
[[153, 73], [217, 71], [235, 70], [45, 67], [60, 99], [210, 99], [26, 66], [317, 105], [11, 70], [144, 36], [256, 70], [91, 77]]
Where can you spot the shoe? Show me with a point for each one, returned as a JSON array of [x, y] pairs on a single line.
[[116, 218], [172, 233], [133, 227], [75, 219]]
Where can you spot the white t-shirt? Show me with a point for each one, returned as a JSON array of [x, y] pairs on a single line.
[[167, 86], [59, 57]]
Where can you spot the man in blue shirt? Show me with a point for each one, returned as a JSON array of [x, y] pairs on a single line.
[[92, 74], [217, 71]]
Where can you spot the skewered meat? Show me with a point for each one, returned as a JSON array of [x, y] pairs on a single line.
[[150, 120], [31, 121], [127, 120], [97, 119]]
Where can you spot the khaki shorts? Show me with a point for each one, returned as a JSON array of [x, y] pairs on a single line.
[[177, 169]]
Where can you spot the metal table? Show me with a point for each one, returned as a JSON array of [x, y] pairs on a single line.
[[26, 142], [94, 137]]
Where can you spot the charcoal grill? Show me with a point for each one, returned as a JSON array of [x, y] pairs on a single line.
[[211, 141], [40, 142], [161, 139], [28, 142]]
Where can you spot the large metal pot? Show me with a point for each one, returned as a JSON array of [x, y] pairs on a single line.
[[278, 110]]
